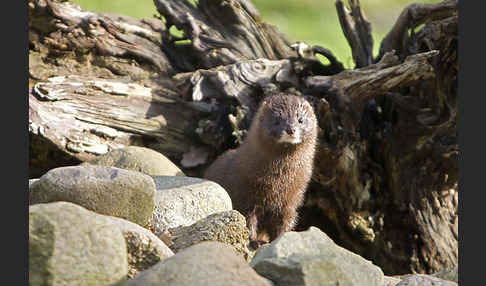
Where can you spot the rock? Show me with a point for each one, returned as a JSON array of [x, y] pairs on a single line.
[[206, 263], [312, 258], [31, 181], [228, 227], [106, 190], [143, 247], [425, 280], [181, 201], [138, 159], [448, 274], [69, 245], [391, 281]]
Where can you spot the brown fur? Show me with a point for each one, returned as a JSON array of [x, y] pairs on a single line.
[[266, 179]]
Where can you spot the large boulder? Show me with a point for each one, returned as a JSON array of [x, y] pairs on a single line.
[[181, 201], [228, 227], [70, 245], [32, 181], [138, 159], [106, 190], [204, 264], [448, 274], [391, 281], [312, 258], [144, 249], [424, 280]]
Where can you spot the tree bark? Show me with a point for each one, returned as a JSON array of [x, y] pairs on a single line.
[[385, 176]]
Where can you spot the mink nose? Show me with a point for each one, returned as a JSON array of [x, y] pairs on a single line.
[[290, 130]]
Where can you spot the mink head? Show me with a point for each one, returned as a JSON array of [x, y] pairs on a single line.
[[287, 119]]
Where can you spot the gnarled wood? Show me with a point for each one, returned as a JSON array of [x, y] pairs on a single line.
[[391, 194], [357, 31], [411, 17]]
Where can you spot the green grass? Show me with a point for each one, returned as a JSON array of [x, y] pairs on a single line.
[[312, 21]]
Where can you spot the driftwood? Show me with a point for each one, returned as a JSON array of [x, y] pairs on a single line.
[[386, 171]]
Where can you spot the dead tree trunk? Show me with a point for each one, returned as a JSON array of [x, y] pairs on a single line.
[[385, 177]]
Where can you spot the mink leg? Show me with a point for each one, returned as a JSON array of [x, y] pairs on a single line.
[[253, 222], [282, 223]]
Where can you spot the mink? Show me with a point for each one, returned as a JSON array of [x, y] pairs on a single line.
[[267, 175]]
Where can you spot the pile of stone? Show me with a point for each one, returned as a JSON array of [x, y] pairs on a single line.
[[131, 217]]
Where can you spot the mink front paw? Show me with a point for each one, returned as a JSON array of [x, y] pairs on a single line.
[[255, 244]]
